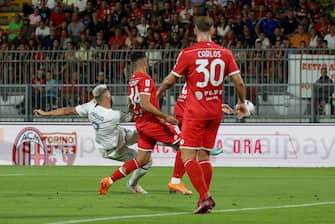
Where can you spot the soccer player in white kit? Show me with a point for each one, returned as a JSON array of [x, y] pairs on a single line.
[[111, 139]]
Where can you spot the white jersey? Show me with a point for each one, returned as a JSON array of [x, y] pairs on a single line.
[[108, 134]]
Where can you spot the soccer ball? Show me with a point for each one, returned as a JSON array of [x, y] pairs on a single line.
[[250, 107]]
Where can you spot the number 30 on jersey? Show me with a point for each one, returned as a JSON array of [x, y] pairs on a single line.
[[209, 75]]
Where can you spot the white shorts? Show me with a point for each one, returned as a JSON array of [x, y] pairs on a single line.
[[122, 152]]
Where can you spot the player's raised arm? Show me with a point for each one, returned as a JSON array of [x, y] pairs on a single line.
[[167, 83], [57, 112], [147, 106]]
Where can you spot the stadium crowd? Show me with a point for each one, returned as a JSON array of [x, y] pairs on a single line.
[[101, 24], [82, 28]]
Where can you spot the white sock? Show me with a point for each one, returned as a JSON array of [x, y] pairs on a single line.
[[138, 173], [175, 180], [110, 180]]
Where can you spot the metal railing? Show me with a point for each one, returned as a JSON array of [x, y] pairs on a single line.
[[279, 82]]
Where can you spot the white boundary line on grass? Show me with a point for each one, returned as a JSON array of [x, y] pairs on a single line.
[[11, 174], [189, 213]]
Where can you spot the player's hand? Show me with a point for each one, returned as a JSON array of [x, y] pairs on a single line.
[[171, 119], [227, 109], [241, 111], [39, 112]]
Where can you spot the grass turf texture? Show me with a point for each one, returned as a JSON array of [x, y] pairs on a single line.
[[51, 194]]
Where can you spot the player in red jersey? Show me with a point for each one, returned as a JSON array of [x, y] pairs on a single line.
[[149, 121], [179, 170], [205, 65]]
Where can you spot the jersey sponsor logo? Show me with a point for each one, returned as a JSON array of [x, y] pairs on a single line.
[[198, 95], [32, 147]]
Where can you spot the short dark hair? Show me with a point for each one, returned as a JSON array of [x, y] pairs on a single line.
[[204, 23], [137, 55]]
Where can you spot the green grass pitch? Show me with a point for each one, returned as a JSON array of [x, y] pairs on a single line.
[[69, 194]]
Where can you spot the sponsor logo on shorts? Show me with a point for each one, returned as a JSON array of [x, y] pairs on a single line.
[[32, 147]]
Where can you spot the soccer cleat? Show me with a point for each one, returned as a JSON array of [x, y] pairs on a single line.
[[204, 206], [216, 151], [104, 185], [137, 189], [179, 188]]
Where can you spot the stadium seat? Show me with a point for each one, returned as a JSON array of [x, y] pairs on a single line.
[[8, 105], [275, 104], [120, 103]]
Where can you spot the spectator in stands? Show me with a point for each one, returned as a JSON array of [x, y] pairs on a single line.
[[322, 26], [143, 27], [98, 42], [330, 37], [85, 52], [101, 78], [133, 39], [75, 28], [267, 25], [94, 26], [299, 36], [45, 12], [247, 40], [80, 5], [89, 10], [72, 92], [51, 91], [135, 10], [119, 16], [237, 26], [289, 24], [323, 91], [187, 13], [35, 17], [265, 42], [64, 40], [38, 98], [57, 17], [118, 40], [27, 30], [42, 31], [314, 37], [14, 27]]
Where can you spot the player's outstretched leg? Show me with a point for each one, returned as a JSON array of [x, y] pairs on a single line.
[[121, 172], [175, 185], [132, 183]]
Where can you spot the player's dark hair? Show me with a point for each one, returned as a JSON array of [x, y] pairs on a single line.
[[137, 55], [203, 23]]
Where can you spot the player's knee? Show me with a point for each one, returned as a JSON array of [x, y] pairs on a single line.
[[147, 165]]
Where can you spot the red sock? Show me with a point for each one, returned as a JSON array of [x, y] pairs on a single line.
[[196, 175], [206, 166], [125, 169], [179, 169]]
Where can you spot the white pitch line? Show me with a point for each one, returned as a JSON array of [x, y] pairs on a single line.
[[189, 213], [11, 174]]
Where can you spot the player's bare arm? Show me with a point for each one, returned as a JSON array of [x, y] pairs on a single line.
[[146, 105], [167, 83], [57, 112], [241, 110]]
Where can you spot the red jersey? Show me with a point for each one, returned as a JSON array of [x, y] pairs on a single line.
[[180, 104], [205, 65], [141, 83]]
